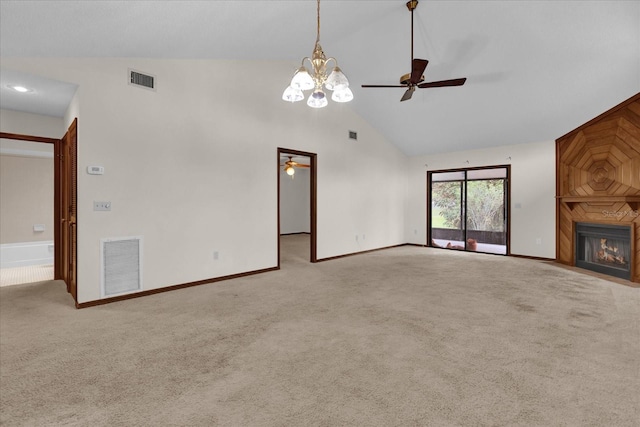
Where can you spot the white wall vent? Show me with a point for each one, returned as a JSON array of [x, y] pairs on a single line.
[[144, 80], [120, 265]]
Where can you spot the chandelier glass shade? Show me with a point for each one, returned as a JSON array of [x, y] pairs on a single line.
[[317, 78]]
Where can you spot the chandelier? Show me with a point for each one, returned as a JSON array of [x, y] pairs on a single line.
[[304, 80]]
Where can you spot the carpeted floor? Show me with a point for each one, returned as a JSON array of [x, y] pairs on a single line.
[[402, 337]]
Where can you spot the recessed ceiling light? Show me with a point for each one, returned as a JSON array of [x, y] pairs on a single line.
[[20, 89]]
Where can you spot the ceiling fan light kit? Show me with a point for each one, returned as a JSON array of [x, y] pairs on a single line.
[[303, 80], [290, 165], [415, 79]]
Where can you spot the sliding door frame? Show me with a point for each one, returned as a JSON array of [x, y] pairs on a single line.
[[507, 208]]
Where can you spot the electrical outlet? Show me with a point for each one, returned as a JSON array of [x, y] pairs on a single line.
[[539, 241], [216, 255], [356, 237], [363, 237], [101, 206]]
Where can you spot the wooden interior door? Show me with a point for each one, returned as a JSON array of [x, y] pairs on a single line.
[[73, 208], [68, 208], [63, 210]]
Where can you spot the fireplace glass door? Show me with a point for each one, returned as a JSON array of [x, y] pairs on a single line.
[[604, 248]]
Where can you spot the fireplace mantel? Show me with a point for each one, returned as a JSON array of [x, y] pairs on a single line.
[[598, 179], [632, 201]]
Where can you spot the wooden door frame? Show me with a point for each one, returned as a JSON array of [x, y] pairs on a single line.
[[57, 197], [313, 194], [57, 273]]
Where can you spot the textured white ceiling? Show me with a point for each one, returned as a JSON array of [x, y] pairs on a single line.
[[535, 69]]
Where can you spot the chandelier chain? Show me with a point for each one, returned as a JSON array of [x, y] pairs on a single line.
[[318, 30]]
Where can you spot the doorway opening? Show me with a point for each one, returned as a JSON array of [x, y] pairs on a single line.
[[297, 200], [469, 209], [26, 211], [65, 181]]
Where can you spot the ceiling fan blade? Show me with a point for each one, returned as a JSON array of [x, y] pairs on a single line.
[[441, 83], [294, 164], [417, 68], [407, 95], [383, 86]]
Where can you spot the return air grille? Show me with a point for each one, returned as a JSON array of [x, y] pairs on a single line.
[[120, 265], [137, 78]]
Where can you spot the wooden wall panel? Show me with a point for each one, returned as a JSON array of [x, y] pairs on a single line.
[[598, 178]]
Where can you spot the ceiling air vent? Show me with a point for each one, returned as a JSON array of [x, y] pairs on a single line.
[[137, 78]]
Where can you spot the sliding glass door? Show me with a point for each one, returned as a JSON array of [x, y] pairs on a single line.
[[469, 209]]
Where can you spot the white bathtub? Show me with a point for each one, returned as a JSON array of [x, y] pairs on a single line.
[[27, 253]]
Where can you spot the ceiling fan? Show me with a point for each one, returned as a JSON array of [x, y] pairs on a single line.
[[290, 164], [415, 79]]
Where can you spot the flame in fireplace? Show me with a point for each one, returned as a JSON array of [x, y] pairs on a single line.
[[610, 254]]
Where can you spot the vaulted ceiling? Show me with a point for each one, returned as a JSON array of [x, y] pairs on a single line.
[[536, 69]]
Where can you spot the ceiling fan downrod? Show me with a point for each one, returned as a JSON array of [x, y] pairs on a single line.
[[406, 79], [411, 5]]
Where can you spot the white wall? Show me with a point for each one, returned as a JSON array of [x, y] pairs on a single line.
[[26, 198], [31, 124], [171, 174], [295, 202], [533, 182]]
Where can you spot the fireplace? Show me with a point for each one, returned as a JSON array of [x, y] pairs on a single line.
[[604, 248], [597, 183]]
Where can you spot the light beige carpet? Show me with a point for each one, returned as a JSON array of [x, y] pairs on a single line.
[[402, 337]]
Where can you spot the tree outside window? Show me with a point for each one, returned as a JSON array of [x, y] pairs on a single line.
[[485, 205]]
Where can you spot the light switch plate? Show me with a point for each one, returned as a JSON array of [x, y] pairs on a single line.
[[101, 206], [95, 170]]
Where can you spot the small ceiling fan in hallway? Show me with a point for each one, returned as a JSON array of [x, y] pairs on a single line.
[[415, 79], [290, 164]]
